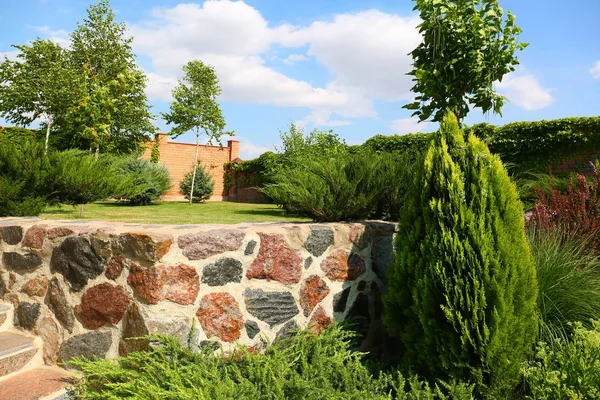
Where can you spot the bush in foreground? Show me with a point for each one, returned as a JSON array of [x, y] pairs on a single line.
[[567, 368], [307, 366], [204, 185], [462, 290]]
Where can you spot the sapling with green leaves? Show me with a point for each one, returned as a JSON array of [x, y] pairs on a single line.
[[195, 107], [467, 47], [39, 84]]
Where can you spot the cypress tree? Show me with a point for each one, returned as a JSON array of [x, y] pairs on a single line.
[[462, 288]]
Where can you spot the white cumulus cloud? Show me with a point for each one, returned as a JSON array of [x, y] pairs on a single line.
[[408, 125], [595, 70], [294, 58], [60, 36], [525, 91]]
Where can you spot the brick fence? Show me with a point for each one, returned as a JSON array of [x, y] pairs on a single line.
[[179, 159]]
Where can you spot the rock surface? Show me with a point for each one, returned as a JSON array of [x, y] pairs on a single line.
[[340, 299], [288, 330], [48, 331], [102, 304], [250, 247], [144, 248], [35, 236], [201, 245], [11, 234], [252, 329], [27, 314], [319, 320], [88, 345], [114, 267], [319, 240], [59, 231], [59, 305], [76, 261], [270, 307], [219, 315], [339, 266], [21, 262], [36, 286], [133, 327], [179, 283], [382, 255], [312, 292], [222, 272], [275, 261]]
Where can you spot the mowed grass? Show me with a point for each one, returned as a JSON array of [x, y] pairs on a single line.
[[173, 212]]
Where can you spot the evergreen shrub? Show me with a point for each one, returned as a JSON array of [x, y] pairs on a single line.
[[147, 180], [204, 185], [305, 367], [462, 289], [342, 186]]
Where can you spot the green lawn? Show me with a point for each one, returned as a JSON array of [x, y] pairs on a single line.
[[172, 212]]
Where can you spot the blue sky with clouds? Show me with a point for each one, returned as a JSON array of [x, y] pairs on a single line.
[[335, 64]]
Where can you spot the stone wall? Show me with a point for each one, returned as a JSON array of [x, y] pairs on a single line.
[[86, 287], [179, 159]]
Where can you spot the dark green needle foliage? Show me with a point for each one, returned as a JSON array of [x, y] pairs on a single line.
[[462, 289]]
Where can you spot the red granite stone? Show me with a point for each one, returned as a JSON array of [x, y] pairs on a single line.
[[201, 245], [320, 320], [102, 304], [34, 237], [34, 384], [339, 266], [275, 261], [59, 231], [143, 246], [219, 315], [313, 290], [114, 267], [36, 286], [179, 283], [12, 279]]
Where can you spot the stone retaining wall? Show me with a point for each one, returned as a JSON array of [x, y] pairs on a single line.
[[86, 287]]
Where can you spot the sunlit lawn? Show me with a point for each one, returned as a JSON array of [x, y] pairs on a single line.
[[171, 212]]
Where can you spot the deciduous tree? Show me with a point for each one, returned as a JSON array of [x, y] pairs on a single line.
[[195, 107], [467, 46]]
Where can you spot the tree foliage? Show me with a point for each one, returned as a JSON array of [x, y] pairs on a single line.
[[148, 181], [113, 112], [462, 290], [195, 107], [467, 46], [41, 83]]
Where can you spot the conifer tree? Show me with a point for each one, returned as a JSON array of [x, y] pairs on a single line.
[[462, 288]]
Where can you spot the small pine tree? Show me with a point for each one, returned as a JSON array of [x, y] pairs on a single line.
[[203, 185], [462, 288]]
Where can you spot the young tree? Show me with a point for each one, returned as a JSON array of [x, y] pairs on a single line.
[[195, 107], [39, 84], [114, 86], [467, 46]]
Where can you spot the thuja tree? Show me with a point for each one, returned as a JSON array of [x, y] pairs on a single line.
[[462, 288]]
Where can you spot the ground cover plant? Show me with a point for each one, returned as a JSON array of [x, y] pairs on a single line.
[[176, 212], [304, 367], [462, 290]]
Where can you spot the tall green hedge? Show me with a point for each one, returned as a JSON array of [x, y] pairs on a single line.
[[462, 289]]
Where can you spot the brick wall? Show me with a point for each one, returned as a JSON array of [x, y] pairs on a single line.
[[179, 159], [579, 163]]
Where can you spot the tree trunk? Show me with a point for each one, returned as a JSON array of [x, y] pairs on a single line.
[[195, 166], [97, 150], [48, 135]]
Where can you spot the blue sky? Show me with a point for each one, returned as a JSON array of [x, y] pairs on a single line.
[[336, 64]]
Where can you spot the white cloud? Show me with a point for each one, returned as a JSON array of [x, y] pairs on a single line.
[[294, 58], [595, 71], [248, 149], [60, 37], [525, 91], [321, 118], [408, 125], [11, 55], [366, 53]]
